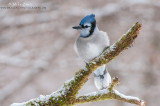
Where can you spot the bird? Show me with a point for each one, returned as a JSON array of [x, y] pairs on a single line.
[[91, 44]]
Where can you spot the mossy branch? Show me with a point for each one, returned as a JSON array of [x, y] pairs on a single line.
[[109, 93], [113, 84], [67, 94]]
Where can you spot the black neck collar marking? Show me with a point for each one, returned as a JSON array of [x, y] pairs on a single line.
[[93, 25]]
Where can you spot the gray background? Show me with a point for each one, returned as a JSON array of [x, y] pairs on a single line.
[[37, 55]]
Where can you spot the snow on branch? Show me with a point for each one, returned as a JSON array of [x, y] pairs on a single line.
[[109, 93], [67, 94]]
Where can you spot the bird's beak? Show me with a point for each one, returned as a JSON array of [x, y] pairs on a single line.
[[77, 27]]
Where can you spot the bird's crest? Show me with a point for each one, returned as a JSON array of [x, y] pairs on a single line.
[[88, 19]]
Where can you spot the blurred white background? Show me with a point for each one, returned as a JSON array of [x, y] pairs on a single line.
[[37, 55]]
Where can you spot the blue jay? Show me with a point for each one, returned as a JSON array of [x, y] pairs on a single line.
[[91, 44]]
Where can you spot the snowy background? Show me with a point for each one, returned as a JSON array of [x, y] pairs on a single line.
[[37, 55]]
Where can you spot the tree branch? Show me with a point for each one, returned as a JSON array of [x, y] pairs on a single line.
[[67, 94], [109, 93]]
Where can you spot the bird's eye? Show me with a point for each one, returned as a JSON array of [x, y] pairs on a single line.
[[86, 26]]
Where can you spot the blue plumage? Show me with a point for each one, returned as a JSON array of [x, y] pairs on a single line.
[[88, 19]]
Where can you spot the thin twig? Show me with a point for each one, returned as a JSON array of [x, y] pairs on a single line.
[[109, 94]]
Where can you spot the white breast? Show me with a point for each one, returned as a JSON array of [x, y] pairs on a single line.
[[91, 47], [93, 50]]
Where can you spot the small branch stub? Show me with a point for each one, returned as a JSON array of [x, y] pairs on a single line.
[[115, 81]]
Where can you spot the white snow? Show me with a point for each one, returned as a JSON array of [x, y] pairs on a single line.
[[126, 97], [42, 97], [101, 92], [91, 94], [94, 62], [18, 104], [112, 48], [66, 82]]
